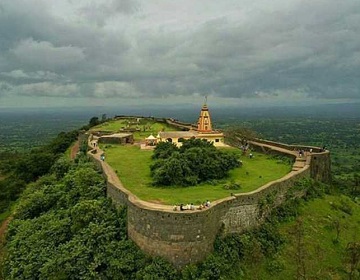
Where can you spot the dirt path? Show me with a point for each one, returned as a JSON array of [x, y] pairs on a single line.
[[74, 150], [3, 229]]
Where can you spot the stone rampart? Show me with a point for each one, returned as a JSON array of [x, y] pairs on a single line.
[[184, 237]]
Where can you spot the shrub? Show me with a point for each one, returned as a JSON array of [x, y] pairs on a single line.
[[232, 186]]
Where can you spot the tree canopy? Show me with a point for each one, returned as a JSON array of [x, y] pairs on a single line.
[[196, 161], [64, 227]]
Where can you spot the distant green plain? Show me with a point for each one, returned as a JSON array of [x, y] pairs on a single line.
[[133, 168]]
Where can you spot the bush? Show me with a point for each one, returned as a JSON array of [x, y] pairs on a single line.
[[232, 186]]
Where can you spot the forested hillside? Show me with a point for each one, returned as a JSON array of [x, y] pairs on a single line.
[[64, 227]]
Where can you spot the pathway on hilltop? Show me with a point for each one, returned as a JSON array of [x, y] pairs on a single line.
[[74, 150], [299, 163], [3, 229], [113, 178]]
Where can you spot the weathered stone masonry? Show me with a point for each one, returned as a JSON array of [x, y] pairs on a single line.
[[187, 237]]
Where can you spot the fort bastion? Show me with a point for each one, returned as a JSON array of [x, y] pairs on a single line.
[[185, 237]]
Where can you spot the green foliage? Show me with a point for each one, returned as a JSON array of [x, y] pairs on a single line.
[[308, 188], [316, 247], [195, 162], [196, 143], [232, 186], [349, 185], [65, 228], [33, 165], [269, 238], [164, 150], [10, 190], [63, 140], [61, 167], [288, 210], [158, 269], [173, 171], [275, 266], [343, 205], [94, 121], [352, 260]]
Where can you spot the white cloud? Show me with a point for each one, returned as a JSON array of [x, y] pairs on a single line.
[[38, 75]]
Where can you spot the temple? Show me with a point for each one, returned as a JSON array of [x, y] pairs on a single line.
[[204, 131], [204, 122]]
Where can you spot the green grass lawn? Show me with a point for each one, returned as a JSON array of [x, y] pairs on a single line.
[[132, 167], [323, 258], [147, 127], [111, 125]]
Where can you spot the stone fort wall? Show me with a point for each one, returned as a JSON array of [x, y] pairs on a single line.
[[188, 236]]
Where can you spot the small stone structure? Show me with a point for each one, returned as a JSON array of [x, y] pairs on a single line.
[[117, 138]]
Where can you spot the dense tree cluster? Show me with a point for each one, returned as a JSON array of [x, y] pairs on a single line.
[[64, 227], [22, 168], [194, 162]]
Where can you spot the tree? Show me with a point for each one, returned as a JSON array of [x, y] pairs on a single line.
[[196, 143], [103, 118], [196, 161], [65, 228], [158, 269], [174, 171], [94, 121], [31, 166], [164, 150]]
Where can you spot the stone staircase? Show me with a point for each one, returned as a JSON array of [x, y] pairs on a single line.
[[299, 163]]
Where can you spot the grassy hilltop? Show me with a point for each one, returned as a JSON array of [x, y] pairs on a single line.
[[133, 168]]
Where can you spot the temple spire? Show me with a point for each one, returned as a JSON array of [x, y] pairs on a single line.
[[204, 122]]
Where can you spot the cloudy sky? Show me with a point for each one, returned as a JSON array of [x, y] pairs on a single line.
[[110, 52]]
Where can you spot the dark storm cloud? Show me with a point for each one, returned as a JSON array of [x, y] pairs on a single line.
[[149, 49]]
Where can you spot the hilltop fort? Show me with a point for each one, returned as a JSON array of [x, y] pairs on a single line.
[[184, 237]]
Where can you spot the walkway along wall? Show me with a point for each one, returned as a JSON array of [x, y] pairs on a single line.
[[188, 237]]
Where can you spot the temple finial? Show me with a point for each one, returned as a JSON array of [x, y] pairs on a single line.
[[205, 100]]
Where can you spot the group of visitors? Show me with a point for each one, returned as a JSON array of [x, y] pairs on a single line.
[[301, 153], [191, 206]]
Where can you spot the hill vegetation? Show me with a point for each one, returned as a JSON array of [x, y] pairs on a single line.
[[65, 227]]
